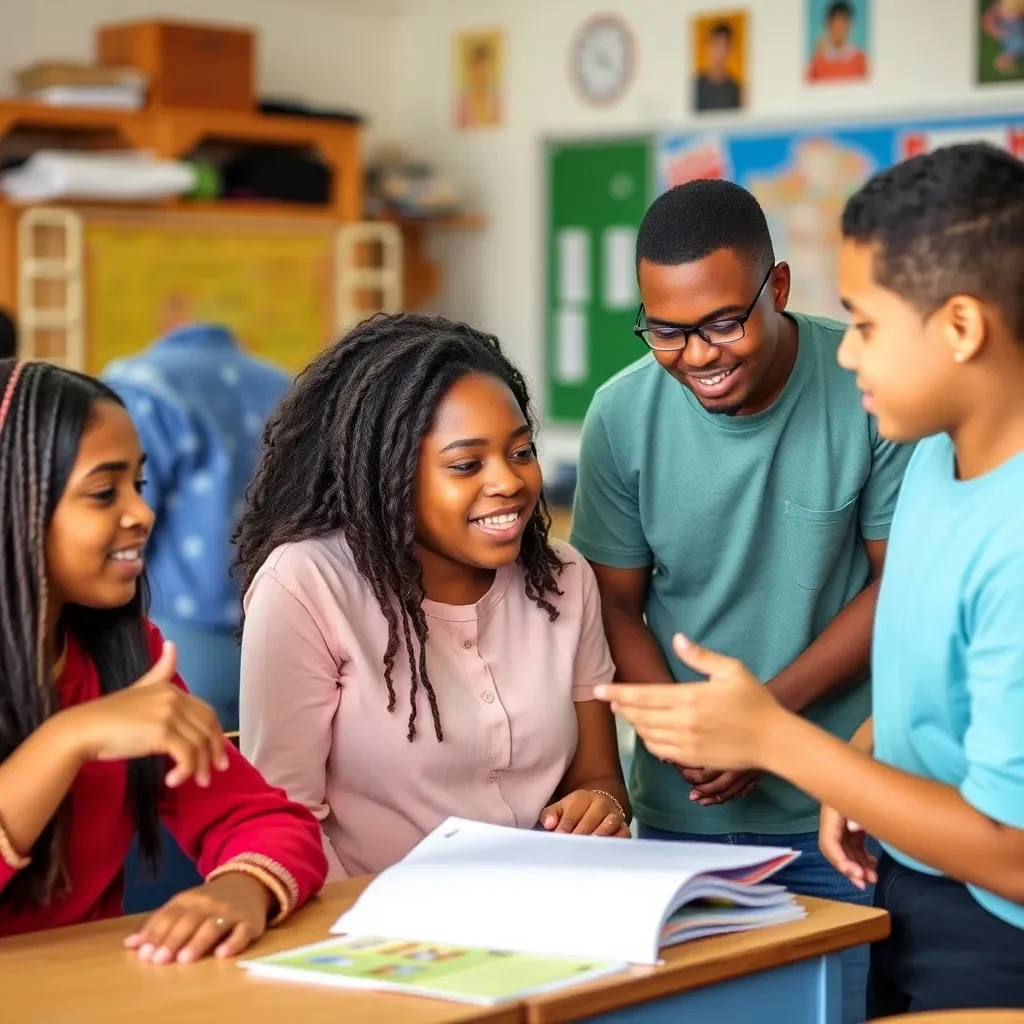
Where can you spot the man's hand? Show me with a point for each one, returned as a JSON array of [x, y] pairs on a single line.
[[714, 787], [725, 786]]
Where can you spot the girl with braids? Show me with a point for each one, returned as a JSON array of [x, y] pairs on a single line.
[[99, 739], [414, 646]]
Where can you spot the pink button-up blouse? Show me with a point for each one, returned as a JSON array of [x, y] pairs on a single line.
[[314, 715]]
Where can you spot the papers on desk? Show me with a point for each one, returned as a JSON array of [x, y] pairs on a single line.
[[470, 884], [479, 976]]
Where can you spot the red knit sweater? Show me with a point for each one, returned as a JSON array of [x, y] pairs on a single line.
[[238, 823]]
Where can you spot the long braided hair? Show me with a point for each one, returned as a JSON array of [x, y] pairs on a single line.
[[44, 414], [341, 453]]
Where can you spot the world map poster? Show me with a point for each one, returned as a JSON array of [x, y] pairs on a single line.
[[803, 176]]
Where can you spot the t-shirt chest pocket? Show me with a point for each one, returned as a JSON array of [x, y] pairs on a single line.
[[814, 540]]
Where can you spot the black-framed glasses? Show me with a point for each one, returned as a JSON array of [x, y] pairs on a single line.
[[669, 337]]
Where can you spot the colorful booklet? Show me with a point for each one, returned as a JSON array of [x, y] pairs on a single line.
[[470, 884], [481, 976]]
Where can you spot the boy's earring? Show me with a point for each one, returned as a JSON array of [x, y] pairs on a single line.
[[960, 356]]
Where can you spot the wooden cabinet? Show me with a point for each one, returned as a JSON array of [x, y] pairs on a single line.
[[188, 65]]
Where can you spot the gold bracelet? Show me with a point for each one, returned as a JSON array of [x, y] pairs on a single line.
[[618, 806]]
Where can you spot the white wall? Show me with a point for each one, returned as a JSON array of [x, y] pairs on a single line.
[[338, 52], [923, 62]]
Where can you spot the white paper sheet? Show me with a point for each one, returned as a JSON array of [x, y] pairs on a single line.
[[620, 289], [571, 363], [574, 265]]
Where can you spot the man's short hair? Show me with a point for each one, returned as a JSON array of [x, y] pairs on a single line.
[[691, 221]]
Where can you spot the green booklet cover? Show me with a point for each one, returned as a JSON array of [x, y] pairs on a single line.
[[481, 976]]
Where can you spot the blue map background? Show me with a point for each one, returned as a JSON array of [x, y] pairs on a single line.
[[802, 176]]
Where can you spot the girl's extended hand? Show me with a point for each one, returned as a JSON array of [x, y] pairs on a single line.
[[153, 716], [843, 843], [584, 813], [226, 915], [723, 723]]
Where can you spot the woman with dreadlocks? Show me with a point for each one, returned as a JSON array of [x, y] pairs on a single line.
[[414, 646], [99, 739]]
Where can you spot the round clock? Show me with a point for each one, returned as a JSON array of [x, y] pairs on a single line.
[[603, 58]]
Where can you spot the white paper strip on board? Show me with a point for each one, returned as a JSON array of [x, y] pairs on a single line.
[[574, 265], [619, 268], [571, 345]]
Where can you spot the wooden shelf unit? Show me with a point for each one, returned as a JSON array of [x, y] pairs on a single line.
[[174, 133]]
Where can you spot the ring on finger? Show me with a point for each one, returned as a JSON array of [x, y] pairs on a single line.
[[221, 923]]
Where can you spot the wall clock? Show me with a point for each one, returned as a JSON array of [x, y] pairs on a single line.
[[603, 59]]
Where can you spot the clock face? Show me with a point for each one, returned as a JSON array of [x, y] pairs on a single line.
[[603, 59]]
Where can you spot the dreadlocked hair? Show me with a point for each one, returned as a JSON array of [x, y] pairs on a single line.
[[341, 453], [48, 412]]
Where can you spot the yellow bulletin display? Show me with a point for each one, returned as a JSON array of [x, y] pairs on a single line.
[[274, 287]]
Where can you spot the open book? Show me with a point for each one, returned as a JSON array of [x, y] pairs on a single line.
[[555, 895]]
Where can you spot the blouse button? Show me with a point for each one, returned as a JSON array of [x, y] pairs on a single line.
[[492, 776], [468, 644], [488, 697]]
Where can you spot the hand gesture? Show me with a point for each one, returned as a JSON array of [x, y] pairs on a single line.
[[715, 787], [843, 843], [718, 724], [719, 787], [585, 813], [152, 716], [226, 915]]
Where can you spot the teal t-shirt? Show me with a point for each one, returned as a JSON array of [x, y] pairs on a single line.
[[948, 654], [754, 526]]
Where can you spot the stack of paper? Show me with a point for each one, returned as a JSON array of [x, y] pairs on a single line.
[[73, 84], [96, 97], [470, 884]]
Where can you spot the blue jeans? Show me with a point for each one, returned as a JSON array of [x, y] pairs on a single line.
[[809, 875]]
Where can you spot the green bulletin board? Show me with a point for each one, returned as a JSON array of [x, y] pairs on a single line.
[[598, 192]]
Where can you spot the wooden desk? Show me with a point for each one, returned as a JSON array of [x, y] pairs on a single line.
[[782, 975], [82, 975]]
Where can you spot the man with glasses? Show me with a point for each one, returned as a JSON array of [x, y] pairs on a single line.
[[733, 488]]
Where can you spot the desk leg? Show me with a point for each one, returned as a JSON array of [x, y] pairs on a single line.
[[809, 992]]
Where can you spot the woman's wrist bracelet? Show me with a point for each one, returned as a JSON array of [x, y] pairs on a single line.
[[618, 806]]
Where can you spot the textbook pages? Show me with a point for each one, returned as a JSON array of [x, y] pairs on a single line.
[[551, 894], [480, 976]]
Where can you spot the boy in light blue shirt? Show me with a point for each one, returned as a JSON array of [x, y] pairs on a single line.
[[931, 270]]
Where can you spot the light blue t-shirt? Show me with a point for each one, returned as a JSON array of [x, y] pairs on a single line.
[[948, 656], [199, 402]]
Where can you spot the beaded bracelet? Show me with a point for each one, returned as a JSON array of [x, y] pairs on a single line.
[[618, 806]]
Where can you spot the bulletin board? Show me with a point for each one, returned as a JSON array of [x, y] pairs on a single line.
[[803, 176], [272, 284], [599, 190], [598, 193]]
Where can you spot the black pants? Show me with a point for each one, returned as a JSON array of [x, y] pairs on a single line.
[[946, 952]]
